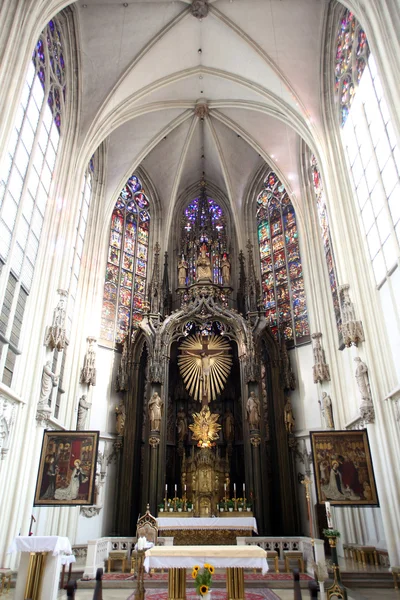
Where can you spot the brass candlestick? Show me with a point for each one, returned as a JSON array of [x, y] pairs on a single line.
[[307, 483], [165, 503], [235, 507]]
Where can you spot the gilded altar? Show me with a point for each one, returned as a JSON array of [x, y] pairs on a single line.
[[204, 473]]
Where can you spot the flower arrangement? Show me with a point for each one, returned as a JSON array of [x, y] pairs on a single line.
[[331, 532], [203, 578]]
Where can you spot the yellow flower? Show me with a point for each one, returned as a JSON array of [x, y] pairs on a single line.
[[196, 568], [194, 574], [206, 565], [211, 569], [203, 589]]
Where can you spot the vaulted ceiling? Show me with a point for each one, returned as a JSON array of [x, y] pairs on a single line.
[[147, 66]]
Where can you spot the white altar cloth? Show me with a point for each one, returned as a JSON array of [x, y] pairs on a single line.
[[37, 543], [55, 546], [221, 557], [208, 523]]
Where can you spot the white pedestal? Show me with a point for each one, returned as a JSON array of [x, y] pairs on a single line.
[[54, 547], [51, 577]]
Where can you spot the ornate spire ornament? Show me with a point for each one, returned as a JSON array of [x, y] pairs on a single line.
[[55, 337], [205, 364], [241, 294], [352, 330], [253, 285], [166, 292], [155, 283], [205, 428], [88, 373]]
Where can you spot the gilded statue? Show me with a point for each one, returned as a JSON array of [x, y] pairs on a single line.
[[289, 418], [203, 264], [205, 427]]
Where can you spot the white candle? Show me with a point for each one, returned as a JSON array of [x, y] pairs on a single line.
[[185, 487], [329, 514], [234, 487], [175, 489], [244, 487], [166, 487], [225, 487]]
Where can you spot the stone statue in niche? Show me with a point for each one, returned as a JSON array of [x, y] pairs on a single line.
[[181, 424], [327, 413], [49, 380], [367, 411], [203, 265], [225, 269], [182, 272], [352, 330], [289, 418], [120, 417], [229, 426], [253, 411], [88, 373], [83, 407], [155, 412], [320, 368]]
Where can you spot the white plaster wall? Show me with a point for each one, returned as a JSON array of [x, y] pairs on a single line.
[[305, 397]]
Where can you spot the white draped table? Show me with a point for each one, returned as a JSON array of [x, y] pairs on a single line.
[[232, 558], [39, 568], [207, 523]]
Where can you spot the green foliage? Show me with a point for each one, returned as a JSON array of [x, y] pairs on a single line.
[[331, 533], [203, 578]]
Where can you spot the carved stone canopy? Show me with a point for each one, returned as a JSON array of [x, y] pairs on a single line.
[[201, 110]]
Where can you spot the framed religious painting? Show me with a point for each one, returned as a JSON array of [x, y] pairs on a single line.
[[67, 468], [343, 468]]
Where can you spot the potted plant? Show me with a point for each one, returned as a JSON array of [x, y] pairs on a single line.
[[189, 506], [230, 504], [161, 507], [240, 504], [179, 504], [170, 505], [221, 506], [249, 506], [203, 579], [331, 533]]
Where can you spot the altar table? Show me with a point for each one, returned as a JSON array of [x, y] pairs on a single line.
[[232, 558], [39, 569], [218, 530]]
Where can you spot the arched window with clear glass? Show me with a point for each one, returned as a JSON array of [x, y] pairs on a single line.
[[26, 174], [283, 294], [124, 300], [371, 146]]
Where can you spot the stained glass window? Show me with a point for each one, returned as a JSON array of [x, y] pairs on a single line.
[[282, 281], [26, 173], [372, 151], [204, 221], [326, 238], [126, 272]]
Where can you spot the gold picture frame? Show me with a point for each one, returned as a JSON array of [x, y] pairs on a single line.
[[343, 469], [67, 468]]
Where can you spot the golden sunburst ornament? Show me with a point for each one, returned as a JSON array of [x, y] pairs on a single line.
[[205, 364], [205, 428]]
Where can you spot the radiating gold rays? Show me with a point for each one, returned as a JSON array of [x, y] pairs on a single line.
[[205, 365]]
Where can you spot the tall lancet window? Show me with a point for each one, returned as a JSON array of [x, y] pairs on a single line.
[[126, 272], [204, 222], [282, 281], [371, 146], [25, 178], [326, 238]]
